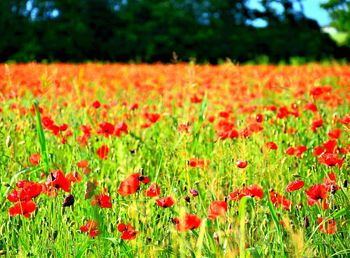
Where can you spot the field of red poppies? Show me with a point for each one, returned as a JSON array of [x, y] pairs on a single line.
[[182, 160]]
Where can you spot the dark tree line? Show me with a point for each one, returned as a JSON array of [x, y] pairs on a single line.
[[151, 30]]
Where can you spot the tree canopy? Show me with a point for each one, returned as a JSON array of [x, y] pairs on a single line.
[[152, 30]]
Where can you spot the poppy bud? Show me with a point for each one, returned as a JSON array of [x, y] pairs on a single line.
[[194, 192], [187, 198], [306, 222], [241, 163], [68, 201], [216, 238]]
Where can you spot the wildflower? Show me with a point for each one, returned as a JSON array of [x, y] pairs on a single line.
[[295, 185], [57, 180], [92, 227], [335, 133], [35, 159], [165, 202], [24, 208], [132, 184], [152, 191], [271, 145], [128, 232], [190, 222], [102, 152], [316, 194], [329, 227], [217, 208], [102, 200], [242, 163], [280, 200]]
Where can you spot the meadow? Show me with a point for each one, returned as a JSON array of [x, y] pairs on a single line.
[[178, 160]]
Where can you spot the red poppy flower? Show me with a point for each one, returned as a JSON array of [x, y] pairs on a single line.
[[96, 104], [259, 118], [35, 159], [153, 118], [295, 185], [335, 133], [271, 145], [92, 227], [316, 123], [330, 160], [330, 183], [299, 151], [224, 114], [165, 202], [24, 208], [106, 129], [242, 163], [184, 127], [280, 200], [198, 163], [211, 119], [345, 120], [102, 200], [233, 134], [102, 152], [318, 151], [74, 177], [195, 99], [190, 222], [133, 106], [27, 191], [152, 191], [57, 180], [316, 194], [311, 106], [235, 195], [120, 128], [128, 231], [329, 227], [132, 184], [282, 112], [330, 146], [253, 191], [217, 208], [290, 151], [83, 163], [63, 127]]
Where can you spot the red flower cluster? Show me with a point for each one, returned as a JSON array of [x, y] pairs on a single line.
[[23, 198], [128, 232], [280, 200], [252, 191], [92, 227]]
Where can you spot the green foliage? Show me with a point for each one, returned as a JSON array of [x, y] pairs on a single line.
[[340, 13], [150, 31]]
